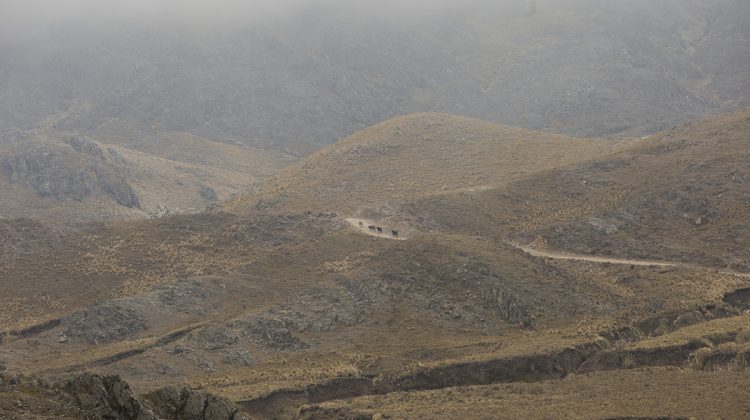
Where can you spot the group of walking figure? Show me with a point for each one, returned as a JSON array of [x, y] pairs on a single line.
[[378, 229]]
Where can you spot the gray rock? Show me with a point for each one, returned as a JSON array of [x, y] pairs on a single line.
[[185, 404], [216, 337], [107, 397], [52, 171], [242, 357], [275, 334], [86, 146], [103, 323], [207, 193]]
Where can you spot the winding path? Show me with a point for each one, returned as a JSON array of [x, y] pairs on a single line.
[[354, 222], [595, 259], [622, 261]]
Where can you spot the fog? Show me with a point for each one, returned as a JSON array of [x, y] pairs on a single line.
[[40, 12], [22, 16], [271, 74]]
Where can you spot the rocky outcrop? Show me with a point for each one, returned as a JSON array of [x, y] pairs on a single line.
[[94, 397], [85, 146], [185, 404], [107, 398], [207, 193], [276, 333], [103, 323], [215, 337], [61, 173]]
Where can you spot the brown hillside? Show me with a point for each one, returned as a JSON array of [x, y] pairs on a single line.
[[68, 178], [416, 155], [680, 195], [293, 313]]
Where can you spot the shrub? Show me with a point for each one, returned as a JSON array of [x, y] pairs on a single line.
[[743, 337], [698, 358], [602, 343]]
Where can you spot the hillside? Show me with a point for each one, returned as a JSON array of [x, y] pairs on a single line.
[[417, 155], [679, 195], [323, 72], [686, 195], [71, 178], [289, 310], [404, 209]]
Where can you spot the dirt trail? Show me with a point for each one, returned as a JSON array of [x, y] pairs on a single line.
[[474, 188], [557, 255], [595, 259], [360, 225], [354, 222]]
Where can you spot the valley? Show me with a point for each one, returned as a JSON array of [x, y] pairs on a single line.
[[282, 303], [409, 209]]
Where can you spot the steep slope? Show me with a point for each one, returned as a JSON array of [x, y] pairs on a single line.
[[95, 397], [680, 195], [72, 178], [686, 197], [415, 155], [582, 67]]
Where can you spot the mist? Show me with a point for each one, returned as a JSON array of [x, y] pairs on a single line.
[[299, 74], [22, 17]]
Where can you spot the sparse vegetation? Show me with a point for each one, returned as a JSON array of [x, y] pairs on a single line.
[[302, 303], [190, 248]]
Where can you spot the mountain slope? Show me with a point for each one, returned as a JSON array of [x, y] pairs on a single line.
[[415, 155], [679, 195], [71, 178], [581, 67], [687, 195], [287, 309]]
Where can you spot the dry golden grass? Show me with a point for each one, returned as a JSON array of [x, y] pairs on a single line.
[[166, 171], [463, 189], [732, 325], [676, 196], [653, 392], [420, 154]]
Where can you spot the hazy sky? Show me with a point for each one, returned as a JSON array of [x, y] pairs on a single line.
[[21, 19], [36, 13], [41, 11]]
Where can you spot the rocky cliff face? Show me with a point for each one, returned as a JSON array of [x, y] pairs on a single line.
[[176, 403], [107, 398], [110, 397], [76, 170], [93, 397]]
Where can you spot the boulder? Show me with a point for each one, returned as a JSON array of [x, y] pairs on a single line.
[[103, 323], [186, 404], [107, 397]]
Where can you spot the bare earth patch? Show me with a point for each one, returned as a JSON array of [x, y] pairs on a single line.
[[362, 226]]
